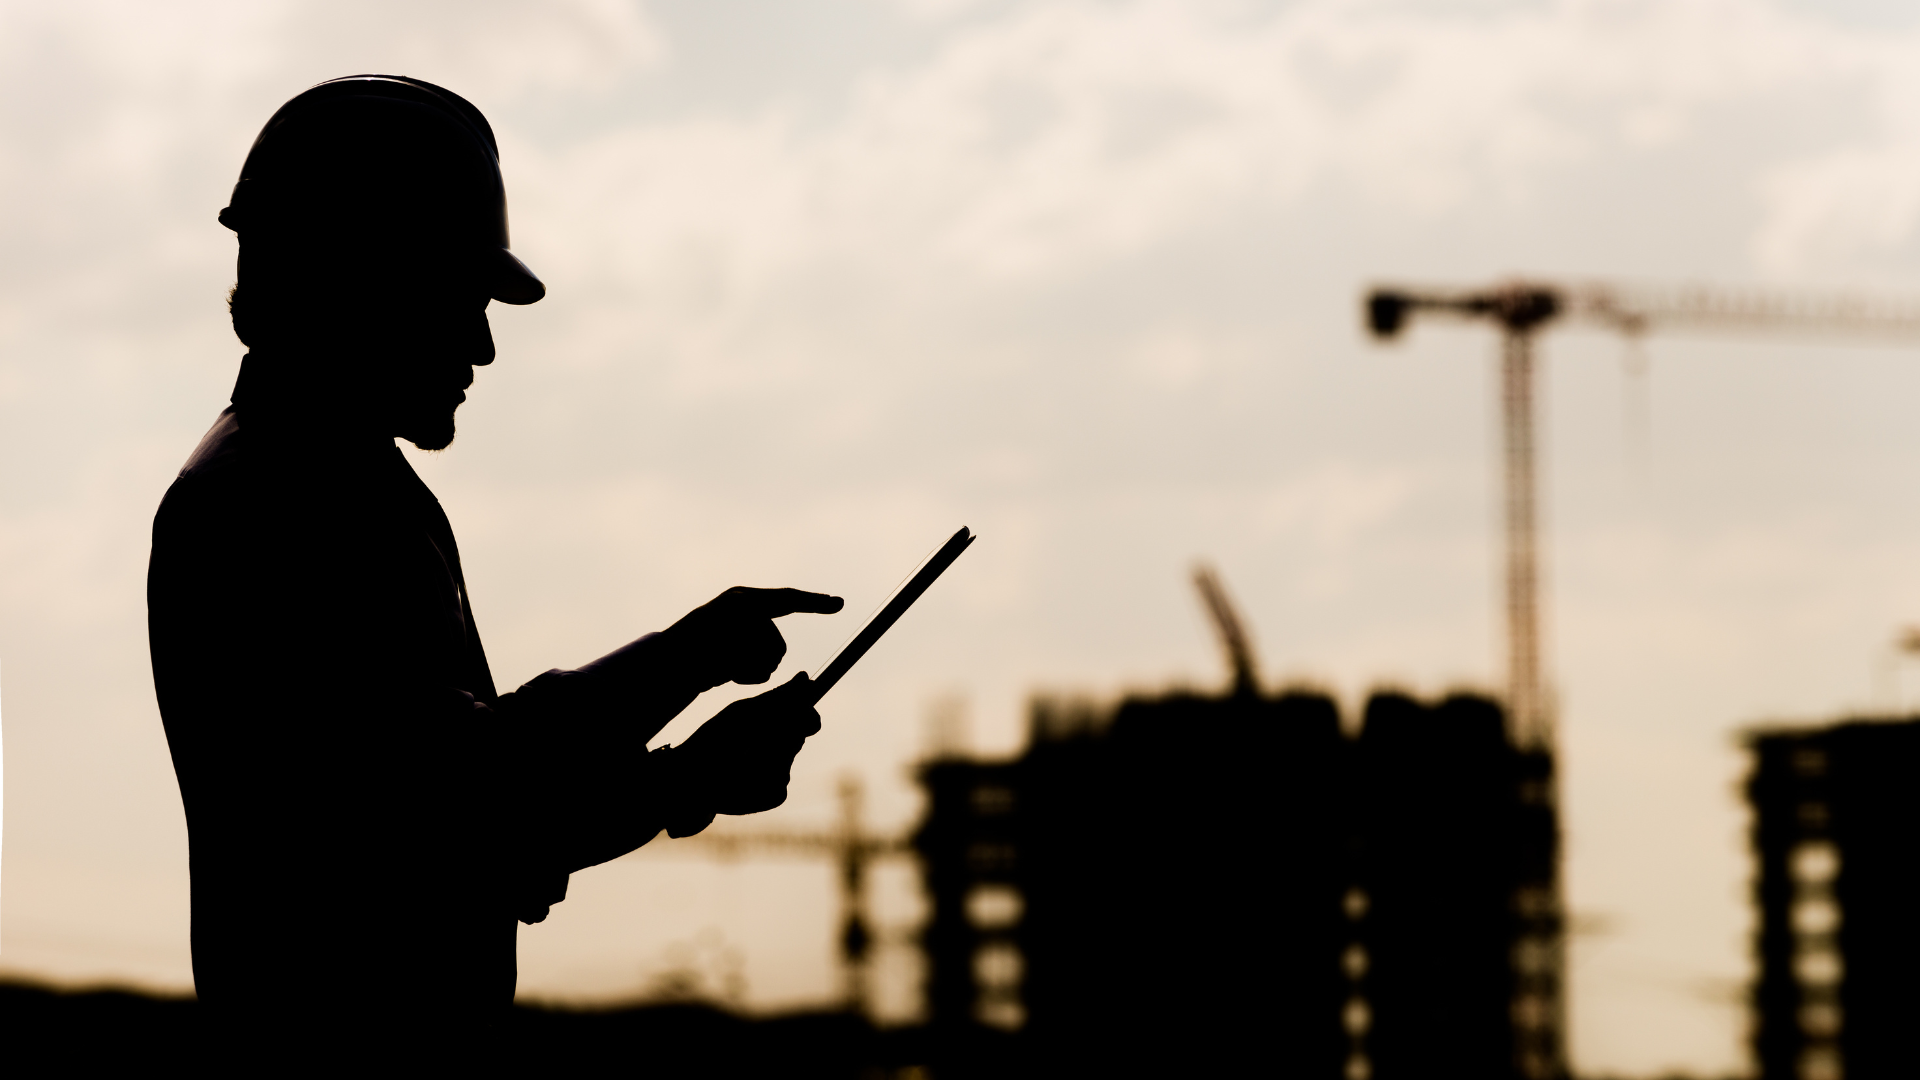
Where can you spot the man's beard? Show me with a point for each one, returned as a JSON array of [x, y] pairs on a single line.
[[429, 428]]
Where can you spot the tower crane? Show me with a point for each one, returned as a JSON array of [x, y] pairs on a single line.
[[1522, 308]]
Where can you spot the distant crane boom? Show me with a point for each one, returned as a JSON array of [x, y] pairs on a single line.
[[1639, 308], [1232, 631]]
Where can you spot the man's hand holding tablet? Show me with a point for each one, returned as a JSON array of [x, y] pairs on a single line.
[[743, 757]]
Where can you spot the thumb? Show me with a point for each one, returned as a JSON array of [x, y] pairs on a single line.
[[800, 690], [797, 689]]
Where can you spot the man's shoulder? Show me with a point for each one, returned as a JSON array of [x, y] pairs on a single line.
[[219, 449], [250, 473], [207, 484]]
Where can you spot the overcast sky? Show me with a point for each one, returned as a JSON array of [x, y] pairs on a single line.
[[830, 279]]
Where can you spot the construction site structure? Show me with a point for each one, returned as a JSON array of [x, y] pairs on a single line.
[[1522, 308], [1152, 890], [1189, 885], [1836, 821], [1198, 885]]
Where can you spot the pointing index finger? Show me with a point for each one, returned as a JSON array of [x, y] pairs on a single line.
[[774, 603]]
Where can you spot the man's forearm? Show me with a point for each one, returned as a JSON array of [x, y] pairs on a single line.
[[615, 704], [651, 680]]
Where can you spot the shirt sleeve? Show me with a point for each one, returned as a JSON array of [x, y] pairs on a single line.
[[601, 792]]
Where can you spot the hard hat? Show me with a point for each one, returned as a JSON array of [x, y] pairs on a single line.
[[371, 164]]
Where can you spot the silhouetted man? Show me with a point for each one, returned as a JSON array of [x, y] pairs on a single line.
[[367, 816]]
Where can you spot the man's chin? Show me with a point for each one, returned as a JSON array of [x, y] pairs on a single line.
[[436, 436]]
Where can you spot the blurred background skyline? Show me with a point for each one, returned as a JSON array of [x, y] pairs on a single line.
[[829, 279]]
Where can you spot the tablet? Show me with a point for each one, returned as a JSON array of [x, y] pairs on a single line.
[[903, 599]]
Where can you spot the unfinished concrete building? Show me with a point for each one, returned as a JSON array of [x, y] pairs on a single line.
[[1189, 885], [1836, 827]]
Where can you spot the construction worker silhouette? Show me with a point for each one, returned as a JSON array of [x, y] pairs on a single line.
[[367, 816]]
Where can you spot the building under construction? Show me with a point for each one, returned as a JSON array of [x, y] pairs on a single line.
[[1193, 885], [1836, 824]]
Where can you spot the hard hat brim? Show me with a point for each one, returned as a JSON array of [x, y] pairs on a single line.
[[510, 281]]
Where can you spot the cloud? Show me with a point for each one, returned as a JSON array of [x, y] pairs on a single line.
[[1832, 210], [1054, 138], [488, 48], [1035, 142]]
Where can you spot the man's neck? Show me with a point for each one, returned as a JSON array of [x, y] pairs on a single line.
[[280, 393]]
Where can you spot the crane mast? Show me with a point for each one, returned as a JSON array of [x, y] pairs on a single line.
[[1522, 308], [1526, 692]]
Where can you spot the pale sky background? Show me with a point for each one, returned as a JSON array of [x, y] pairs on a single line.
[[831, 278]]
